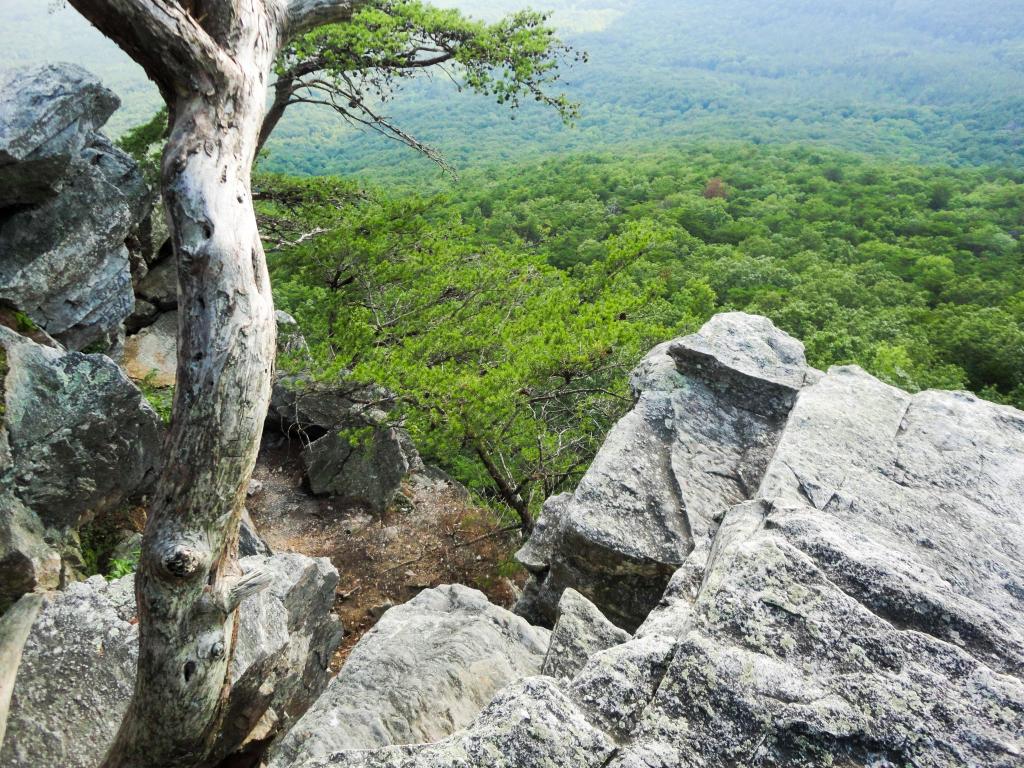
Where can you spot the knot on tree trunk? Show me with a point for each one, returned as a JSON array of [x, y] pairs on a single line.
[[182, 562]]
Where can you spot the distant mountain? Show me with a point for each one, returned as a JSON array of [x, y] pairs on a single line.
[[927, 80]]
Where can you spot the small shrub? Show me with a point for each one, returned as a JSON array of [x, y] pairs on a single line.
[[161, 398]]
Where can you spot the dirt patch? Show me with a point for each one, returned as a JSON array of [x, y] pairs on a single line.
[[432, 535]]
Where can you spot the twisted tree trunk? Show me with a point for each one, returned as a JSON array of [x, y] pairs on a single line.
[[212, 60]]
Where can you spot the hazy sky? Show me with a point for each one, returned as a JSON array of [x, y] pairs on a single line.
[[37, 31]]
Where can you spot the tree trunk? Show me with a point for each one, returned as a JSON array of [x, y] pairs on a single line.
[[212, 60], [187, 584]]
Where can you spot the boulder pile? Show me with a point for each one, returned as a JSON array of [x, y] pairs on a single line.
[[804, 569], [77, 666], [69, 202]]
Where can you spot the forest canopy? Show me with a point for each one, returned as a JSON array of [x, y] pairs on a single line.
[[509, 310]]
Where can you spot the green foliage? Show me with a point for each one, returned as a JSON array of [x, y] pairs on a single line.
[[161, 398], [356, 67], [98, 542], [861, 259], [145, 143], [123, 566], [24, 323], [506, 313], [508, 371]]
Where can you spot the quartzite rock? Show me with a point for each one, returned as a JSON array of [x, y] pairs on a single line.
[[47, 115], [160, 285], [423, 672], [865, 607], [77, 668], [351, 451], [151, 355], [70, 201], [709, 411], [580, 632], [64, 262], [82, 437], [531, 724]]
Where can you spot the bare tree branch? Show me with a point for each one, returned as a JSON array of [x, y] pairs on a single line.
[[160, 35], [304, 15]]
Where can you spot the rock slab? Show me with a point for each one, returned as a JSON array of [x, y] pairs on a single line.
[[424, 671], [709, 410], [77, 669]]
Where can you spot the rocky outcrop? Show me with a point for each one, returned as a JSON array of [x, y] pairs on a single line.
[[70, 202], [866, 606], [709, 410], [848, 590], [77, 666], [351, 451], [77, 439], [580, 632], [151, 355], [47, 115], [423, 672]]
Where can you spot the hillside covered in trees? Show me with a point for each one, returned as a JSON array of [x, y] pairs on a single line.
[[509, 310], [935, 82], [632, 382]]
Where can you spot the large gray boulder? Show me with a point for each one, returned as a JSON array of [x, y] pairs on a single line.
[[77, 669], [424, 671], [867, 607], [351, 451], [859, 603], [47, 115], [580, 632], [63, 259], [77, 439], [709, 410], [82, 437]]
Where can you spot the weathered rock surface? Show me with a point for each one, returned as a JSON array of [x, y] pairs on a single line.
[[77, 439], [75, 678], [424, 671], [152, 354], [852, 592], [27, 561], [63, 259], [64, 262], [82, 437], [160, 285], [866, 608], [710, 408], [78, 664], [580, 632], [249, 540], [15, 624], [47, 115], [531, 724], [351, 451]]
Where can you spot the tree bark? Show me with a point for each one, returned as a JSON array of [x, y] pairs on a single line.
[[212, 60]]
